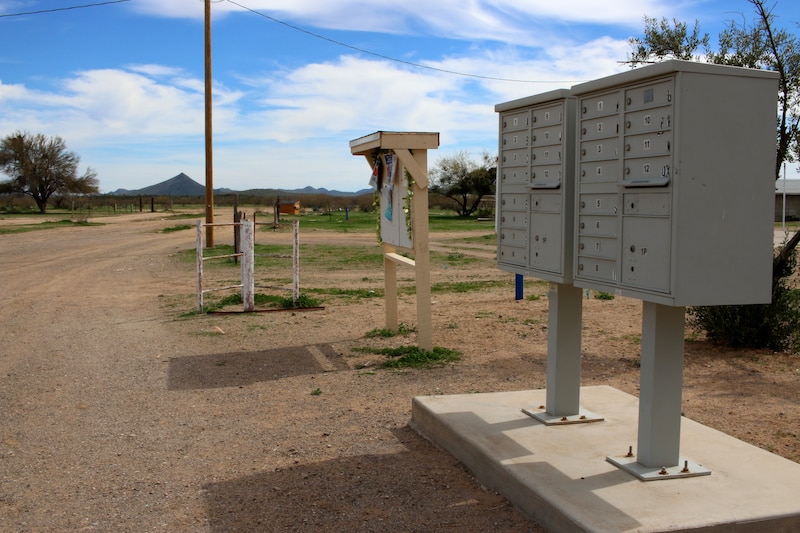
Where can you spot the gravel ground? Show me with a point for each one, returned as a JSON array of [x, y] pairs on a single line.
[[117, 413]]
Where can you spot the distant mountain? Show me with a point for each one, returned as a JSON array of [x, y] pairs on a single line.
[[183, 185], [180, 185]]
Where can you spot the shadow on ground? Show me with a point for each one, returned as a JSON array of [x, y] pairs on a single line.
[[244, 368], [346, 495]]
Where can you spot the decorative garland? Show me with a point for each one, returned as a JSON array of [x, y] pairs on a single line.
[[407, 207]]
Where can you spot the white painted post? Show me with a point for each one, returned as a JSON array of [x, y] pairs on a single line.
[[390, 288], [661, 385], [199, 266], [296, 262], [248, 268]]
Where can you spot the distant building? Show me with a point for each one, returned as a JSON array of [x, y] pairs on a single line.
[[792, 188], [289, 208]]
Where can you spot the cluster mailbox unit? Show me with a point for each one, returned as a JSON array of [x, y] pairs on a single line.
[[663, 173], [674, 166], [655, 184], [535, 185]]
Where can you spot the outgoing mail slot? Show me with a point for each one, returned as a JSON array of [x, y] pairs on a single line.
[[650, 95], [546, 202], [647, 172], [600, 106], [648, 144], [654, 204], [516, 121], [545, 116], [597, 204], [649, 120]]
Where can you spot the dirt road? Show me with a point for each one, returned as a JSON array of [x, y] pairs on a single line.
[[119, 414]]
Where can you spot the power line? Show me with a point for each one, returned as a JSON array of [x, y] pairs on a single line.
[[63, 8], [388, 58]]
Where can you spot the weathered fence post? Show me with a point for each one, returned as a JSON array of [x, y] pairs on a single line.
[[295, 262], [248, 267], [199, 266], [237, 230]]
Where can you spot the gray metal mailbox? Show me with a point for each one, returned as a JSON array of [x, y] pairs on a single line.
[[535, 186], [673, 202]]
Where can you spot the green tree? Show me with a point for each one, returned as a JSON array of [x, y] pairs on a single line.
[[665, 40], [760, 45], [39, 166], [463, 180]]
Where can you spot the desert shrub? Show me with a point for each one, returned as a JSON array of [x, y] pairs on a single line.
[[775, 325]]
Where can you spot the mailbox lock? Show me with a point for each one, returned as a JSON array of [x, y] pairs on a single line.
[[583, 173], [628, 124], [536, 238], [580, 266], [583, 204], [583, 225], [633, 248], [581, 246], [583, 131]]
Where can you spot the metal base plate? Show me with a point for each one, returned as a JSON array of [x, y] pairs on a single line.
[[540, 414], [684, 469]]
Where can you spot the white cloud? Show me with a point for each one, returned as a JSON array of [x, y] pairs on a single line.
[[531, 23]]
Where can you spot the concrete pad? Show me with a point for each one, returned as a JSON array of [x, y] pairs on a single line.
[[559, 476]]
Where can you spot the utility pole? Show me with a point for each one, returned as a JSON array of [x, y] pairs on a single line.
[[209, 144]]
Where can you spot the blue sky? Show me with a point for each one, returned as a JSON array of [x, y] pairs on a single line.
[[123, 83]]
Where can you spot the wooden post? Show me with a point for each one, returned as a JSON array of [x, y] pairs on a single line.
[[390, 287], [248, 267], [199, 242], [295, 262], [419, 222], [237, 230]]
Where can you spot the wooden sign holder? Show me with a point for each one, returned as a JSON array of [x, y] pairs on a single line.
[[411, 151]]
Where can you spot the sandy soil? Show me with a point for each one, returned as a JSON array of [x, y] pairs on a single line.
[[119, 414]]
